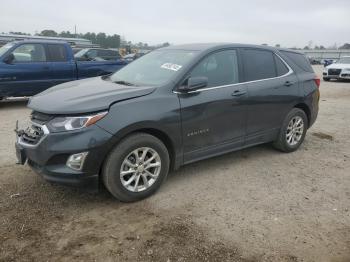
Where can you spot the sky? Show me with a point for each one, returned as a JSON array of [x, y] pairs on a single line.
[[292, 23]]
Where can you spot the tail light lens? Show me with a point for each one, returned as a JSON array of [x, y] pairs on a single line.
[[317, 81]]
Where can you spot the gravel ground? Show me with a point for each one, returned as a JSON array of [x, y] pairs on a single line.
[[253, 205]]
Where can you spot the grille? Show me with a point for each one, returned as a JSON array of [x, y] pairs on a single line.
[[32, 134], [334, 72]]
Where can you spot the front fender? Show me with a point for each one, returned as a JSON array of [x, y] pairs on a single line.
[[157, 112]]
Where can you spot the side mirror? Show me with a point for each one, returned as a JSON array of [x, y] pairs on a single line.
[[194, 83], [9, 59]]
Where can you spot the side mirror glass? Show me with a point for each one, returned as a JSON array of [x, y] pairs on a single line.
[[194, 83], [9, 59]]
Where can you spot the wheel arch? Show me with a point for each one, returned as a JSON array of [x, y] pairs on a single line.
[[156, 132], [306, 110], [166, 140]]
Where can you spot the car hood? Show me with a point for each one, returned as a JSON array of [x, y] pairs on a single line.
[[338, 66], [84, 96]]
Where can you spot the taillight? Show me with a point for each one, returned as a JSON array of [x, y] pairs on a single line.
[[317, 81]]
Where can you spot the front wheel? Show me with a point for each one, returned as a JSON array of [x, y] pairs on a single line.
[[293, 131], [136, 167], [326, 79]]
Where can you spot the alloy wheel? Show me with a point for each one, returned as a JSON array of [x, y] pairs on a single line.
[[295, 130], [140, 169]]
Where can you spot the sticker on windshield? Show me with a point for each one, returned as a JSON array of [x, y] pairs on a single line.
[[171, 66]]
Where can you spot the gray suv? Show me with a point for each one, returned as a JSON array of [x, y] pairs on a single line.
[[171, 107]]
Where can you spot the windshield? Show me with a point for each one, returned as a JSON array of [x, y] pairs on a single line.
[[344, 60], [154, 69], [81, 52], [5, 48]]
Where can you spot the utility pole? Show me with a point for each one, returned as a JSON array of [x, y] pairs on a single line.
[[75, 31]]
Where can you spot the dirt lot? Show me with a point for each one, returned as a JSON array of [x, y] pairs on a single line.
[[254, 205]]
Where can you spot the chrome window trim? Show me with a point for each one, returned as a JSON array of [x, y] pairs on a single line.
[[290, 71], [45, 130]]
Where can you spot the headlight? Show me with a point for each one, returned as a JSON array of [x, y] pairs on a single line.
[[68, 123]]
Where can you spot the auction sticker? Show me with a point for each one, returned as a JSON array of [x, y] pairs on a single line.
[[171, 66]]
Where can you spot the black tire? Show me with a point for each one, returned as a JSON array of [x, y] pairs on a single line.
[[111, 171], [326, 79], [281, 142]]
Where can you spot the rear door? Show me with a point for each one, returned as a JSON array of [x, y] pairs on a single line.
[[213, 118], [29, 72], [272, 91], [63, 69]]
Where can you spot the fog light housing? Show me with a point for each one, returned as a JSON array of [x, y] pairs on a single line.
[[76, 161]]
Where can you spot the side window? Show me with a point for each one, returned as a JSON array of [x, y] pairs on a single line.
[[102, 53], [220, 68], [57, 53], [115, 54], [281, 68], [258, 64], [300, 60], [30, 53], [92, 53]]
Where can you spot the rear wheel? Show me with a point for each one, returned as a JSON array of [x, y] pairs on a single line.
[[136, 167], [293, 131]]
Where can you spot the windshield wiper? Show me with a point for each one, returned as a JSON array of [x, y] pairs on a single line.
[[125, 83]]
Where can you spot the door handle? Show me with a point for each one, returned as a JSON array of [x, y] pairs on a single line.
[[239, 93], [46, 67], [288, 83]]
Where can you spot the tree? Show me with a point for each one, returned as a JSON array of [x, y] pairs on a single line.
[[50, 33], [66, 34], [345, 46], [306, 47], [278, 45]]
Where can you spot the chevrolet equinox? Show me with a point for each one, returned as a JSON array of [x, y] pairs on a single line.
[[171, 107]]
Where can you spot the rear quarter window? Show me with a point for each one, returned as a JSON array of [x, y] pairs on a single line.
[[281, 68], [299, 60]]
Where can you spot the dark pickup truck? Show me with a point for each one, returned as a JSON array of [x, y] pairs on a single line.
[[29, 67]]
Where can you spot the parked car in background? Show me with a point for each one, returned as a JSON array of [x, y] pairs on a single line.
[[327, 62], [338, 70], [314, 61], [29, 67], [97, 54], [171, 107], [76, 49], [131, 57]]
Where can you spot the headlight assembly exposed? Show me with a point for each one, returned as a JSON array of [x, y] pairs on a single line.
[[68, 123]]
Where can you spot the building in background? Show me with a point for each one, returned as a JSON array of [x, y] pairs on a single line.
[[333, 54], [74, 42]]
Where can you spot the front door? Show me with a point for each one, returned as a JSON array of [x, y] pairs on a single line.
[[29, 72], [213, 118]]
